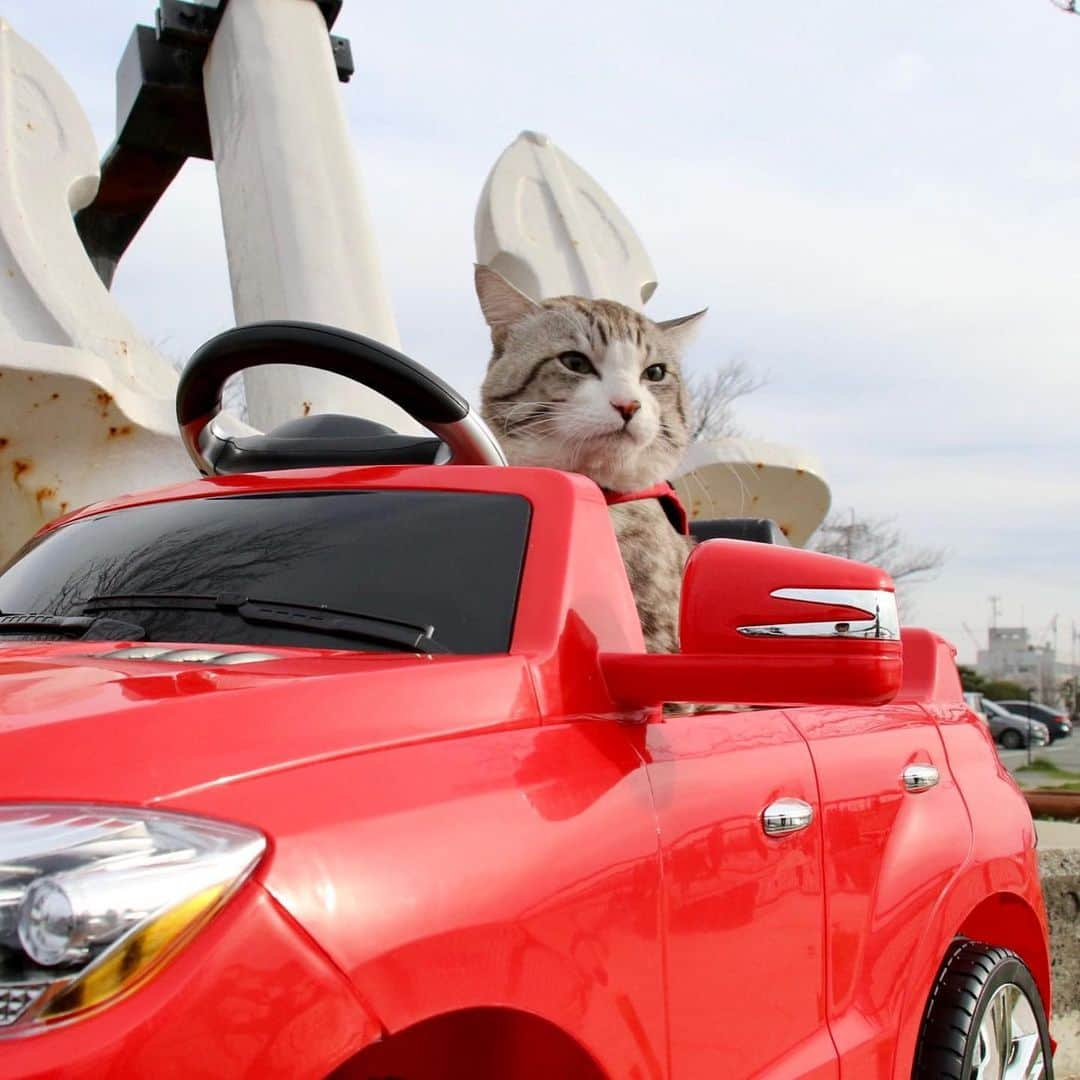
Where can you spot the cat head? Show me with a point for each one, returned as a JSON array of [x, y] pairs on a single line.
[[588, 386]]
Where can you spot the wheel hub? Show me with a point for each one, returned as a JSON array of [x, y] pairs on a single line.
[[1008, 1045]]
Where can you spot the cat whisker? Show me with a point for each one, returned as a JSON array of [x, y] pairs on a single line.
[[744, 489], [510, 406], [708, 496], [536, 415], [582, 437]]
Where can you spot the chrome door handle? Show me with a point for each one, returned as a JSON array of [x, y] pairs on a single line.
[[786, 816], [920, 778]]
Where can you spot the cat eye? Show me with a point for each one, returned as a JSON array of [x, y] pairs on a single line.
[[577, 362], [655, 372]]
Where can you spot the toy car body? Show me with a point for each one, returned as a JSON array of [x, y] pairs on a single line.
[[492, 841], [481, 849]]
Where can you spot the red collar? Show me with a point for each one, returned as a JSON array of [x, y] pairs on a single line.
[[669, 502]]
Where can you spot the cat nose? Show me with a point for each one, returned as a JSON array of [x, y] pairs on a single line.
[[626, 409]]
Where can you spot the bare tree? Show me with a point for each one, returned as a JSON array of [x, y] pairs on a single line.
[[712, 397], [1068, 6], [877, 541]]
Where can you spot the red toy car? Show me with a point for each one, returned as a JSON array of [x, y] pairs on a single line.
[[361, 770]]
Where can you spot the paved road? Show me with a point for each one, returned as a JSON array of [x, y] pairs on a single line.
[[1064, 753]]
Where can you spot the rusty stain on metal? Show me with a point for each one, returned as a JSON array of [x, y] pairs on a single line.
[[19, 466], [64, 507], [307, 408], [44, 493], [55, 397], [4, 443], [124, 429], [760, 465], [800, 472]]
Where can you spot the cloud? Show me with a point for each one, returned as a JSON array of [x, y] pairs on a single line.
[[903, 73]]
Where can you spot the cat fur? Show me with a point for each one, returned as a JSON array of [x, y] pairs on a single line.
[[613, 424]]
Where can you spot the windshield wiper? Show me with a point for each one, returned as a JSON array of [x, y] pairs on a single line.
[[76, 626], [317, 618]]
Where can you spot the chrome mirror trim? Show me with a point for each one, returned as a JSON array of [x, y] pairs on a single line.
[[879, 605]]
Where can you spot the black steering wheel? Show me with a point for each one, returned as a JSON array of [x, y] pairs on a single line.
[[217, 444]]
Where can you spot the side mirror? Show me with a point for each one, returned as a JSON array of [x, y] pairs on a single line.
[[765, 625]]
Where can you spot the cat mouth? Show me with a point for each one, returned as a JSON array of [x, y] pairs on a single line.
[[621, 434]]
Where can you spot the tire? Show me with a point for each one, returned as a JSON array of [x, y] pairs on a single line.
[[985, 1020], [1011, 739]]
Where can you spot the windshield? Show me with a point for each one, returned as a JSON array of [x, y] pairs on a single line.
[[450, 561]]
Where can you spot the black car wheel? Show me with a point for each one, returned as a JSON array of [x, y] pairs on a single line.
[[1011, 739], [985, 1020]]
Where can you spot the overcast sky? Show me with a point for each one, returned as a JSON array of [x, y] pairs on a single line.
[[880, 204]]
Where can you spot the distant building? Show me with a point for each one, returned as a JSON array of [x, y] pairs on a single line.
[[1012, 656]]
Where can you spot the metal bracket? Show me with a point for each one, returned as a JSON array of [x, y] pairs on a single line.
[[191, 25], [161, 121]]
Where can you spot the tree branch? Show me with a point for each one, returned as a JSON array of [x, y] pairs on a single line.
[[712, 397], [877, 541]]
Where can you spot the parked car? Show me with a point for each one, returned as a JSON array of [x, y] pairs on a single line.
[[975, 704], [363, 770], [1057, 720], [1012, 730]]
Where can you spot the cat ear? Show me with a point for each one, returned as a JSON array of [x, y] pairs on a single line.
[[500, 302], [680, 332]]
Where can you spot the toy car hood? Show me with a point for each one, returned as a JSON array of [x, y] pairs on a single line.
[[76, 724]]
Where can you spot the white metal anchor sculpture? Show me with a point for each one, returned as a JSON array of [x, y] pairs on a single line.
[[551, 230], [86, 404]]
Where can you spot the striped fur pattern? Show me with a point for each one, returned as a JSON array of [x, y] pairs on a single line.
[[594, 387]]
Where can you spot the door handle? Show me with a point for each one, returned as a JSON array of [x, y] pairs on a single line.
[[786, 816], [920, 778]]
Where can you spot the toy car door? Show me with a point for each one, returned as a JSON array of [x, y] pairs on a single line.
[[737, 805], [895, 830]]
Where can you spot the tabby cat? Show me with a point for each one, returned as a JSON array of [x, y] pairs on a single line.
[[594, 387]]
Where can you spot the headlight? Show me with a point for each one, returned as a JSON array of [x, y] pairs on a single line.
[[92, 897]]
